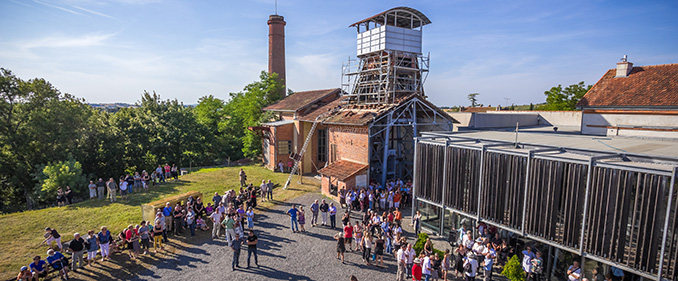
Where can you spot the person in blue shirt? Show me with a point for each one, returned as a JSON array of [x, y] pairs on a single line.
[[57, 261], [39, 267], [292, 212], [167, 212], [104, 237], [617, 274]]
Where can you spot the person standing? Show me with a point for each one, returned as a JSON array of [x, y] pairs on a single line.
[[416, 270], [252, 248], [333, 216], [348, 235], [104, 237], [190, 220], [235, 246], [145, 236], [157, 235], [178, 219], [367, 247], [301, 218], [470, 267], [401, 259], [112, 189], [123, 190], [101, 188], [263, 188], [617, 274], [215, 217], [324, 208], [250, 218], [92, 190], [281, 166], [417, 223], [229, 225], [167, 213], [574, 272], [341, 245], [243, 177], [292, 212], [314, 211], [92, 244], [269, 190], [77, 247], [528, 255], [409, 253], [426, 268], [537, 267]]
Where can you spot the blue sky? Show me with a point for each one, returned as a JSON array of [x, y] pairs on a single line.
[[111, 51]]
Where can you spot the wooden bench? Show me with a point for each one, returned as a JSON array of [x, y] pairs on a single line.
[[148, 210]]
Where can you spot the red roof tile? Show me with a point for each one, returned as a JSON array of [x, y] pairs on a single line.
[[299, 100], [646, 86], [342, 169]]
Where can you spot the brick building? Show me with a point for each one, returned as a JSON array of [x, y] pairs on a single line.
[[640, 101]]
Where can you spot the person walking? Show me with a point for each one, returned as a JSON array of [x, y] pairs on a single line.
[[324, 208], [292, 212], [252, 248], [77, 247], [315, 207], [235, 246]]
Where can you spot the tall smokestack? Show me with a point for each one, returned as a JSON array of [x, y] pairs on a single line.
[[276, 49]]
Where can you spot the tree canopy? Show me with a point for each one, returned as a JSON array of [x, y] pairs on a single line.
[[49, 139], [558, 98]]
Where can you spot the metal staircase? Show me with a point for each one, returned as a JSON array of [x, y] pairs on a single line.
[[297, 158]]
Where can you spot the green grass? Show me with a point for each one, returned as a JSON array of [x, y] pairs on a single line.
[[22, 233]]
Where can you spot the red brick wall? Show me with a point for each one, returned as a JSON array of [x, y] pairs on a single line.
[[280, 133], [351, 142]]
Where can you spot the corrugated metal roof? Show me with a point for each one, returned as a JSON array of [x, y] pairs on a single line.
[[278, 123]]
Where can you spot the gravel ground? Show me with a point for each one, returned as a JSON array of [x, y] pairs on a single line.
[[283, 255]]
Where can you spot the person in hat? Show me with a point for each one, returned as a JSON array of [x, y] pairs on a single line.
[[24, 274], [416, 270], [479, 249], [470, 266]]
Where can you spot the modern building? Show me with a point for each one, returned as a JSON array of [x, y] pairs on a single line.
[[637, 101], [612, 200]]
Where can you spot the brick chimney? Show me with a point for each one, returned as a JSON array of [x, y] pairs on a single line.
[[624, 68], [276, 49]]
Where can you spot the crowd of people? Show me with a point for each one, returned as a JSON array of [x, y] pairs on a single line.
[[125, 185]]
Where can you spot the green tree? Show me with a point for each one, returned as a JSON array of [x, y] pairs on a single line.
[[473, 98], [558, 98], [245, 110], [59, 174], [513, 271]]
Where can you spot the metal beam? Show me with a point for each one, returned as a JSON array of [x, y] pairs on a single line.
[[445, 177], [480, 181], [414, 178], [666, 223], [530, 155], [384, 163]]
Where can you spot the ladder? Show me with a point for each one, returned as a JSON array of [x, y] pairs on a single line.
[[299, 156]]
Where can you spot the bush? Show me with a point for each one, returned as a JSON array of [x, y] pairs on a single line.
[[419, 246], [513, 270]]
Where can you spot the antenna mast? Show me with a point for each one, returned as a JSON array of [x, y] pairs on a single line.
[[276, 7]]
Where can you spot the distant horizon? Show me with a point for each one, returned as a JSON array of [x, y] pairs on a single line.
[[187, 50]]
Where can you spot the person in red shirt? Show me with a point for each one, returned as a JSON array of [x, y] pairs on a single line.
[[348, 235], [416, 270]]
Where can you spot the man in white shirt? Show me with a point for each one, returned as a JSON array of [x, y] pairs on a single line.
[[471, 262], [426, 268], [216, 223], [401, 257], [467, 241], [410, 253]]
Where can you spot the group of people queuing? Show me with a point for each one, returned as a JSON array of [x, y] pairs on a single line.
[[376, 197], [124, 186]]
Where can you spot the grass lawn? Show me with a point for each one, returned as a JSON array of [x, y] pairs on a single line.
[[21, 233]]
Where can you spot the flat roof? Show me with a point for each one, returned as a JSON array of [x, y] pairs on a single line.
[[643, 152]]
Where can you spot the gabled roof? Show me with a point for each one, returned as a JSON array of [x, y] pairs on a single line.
[[653, 86], [300, 100], [342, 169]]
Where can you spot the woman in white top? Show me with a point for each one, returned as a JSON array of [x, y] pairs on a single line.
[[367, 247]]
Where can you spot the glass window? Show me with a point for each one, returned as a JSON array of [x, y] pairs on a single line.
[[284, 147], [322, 145], [430, 216]]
